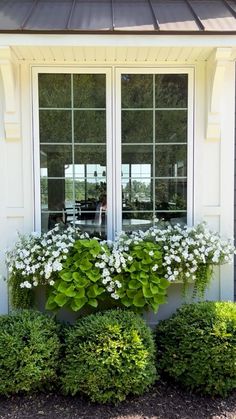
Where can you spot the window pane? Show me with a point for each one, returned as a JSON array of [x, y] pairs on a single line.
[[56, 161], [137, 90], [172, 217], [55, 126], [56, 194], [152, 183], [137, 194], [137, 159], [137, 126], [89, 90], [54, 90], [171, 160], [137, 220], [171, 126], [171, 90], [73, 176], [171, 194], [90, 126], [90, 155]]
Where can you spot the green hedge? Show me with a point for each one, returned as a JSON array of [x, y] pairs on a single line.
[[197, 347], [29, 351], [108, 356]]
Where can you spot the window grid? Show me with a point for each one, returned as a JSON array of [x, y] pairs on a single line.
[[154, 145]]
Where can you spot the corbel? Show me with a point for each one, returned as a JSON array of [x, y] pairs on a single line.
[[216, 67], [10, 76]]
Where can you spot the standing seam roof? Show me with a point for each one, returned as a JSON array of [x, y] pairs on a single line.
[[118, 16]]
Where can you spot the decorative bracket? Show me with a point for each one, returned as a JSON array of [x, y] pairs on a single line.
[[9, 79], [216, 76]]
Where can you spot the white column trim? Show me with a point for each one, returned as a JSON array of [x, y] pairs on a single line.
[[216, 75], [10, 77]]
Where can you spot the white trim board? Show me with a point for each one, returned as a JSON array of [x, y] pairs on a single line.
[[113, 108]]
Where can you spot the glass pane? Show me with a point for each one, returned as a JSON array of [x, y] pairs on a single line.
[[137, 126], [90, 126], [171, 194], [89, 90], [55, 126], [89, 190], [56, 194], [137, 221], [137, 90], [90, 155], [171, 90], [54, 90], [50, 219], [172, 217], [171, 126], [56, 161], [137, 160], [171, 160], [137, 194]]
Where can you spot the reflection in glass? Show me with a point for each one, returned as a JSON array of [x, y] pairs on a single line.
[[56, 194], [171, 160], [171, 126], [137, 220], [89, 90], [171, 194], [137, 90], [56, 161], [73, 176], [137, 194], [54, 90], [174, 217], [90, 155], [137, 126], [154, 177], [138, 158], [90, 126], [55, 126], [171, 90]]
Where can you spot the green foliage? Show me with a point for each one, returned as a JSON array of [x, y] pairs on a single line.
[[79, 282], [108, 356], [29, 350], [197, 347], [21, 298], [142, 280]]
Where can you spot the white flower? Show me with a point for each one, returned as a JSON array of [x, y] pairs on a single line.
[[51, 282]]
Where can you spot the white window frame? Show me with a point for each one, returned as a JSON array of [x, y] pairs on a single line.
[[113, 135], [109, 175], [118, 143]]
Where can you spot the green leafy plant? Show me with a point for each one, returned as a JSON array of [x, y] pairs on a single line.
[[108, 356], [21, 298], [197, 347], [29, 352], [79, 281], [142, 279]]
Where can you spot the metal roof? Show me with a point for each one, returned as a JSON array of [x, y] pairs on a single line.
[[118, 16]]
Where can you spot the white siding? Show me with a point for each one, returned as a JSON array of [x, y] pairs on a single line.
[[213, 162]]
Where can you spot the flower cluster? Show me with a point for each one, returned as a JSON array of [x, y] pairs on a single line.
[[36, 258], [188, 252], [114, 262], [187, 249]]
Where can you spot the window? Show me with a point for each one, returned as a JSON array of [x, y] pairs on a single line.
[[112, 165]]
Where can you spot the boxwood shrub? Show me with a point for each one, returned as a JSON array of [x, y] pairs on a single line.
[[29, 351], [197, 347], [109, 355]]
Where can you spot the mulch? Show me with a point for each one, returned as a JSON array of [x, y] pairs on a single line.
[[164, 401]]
